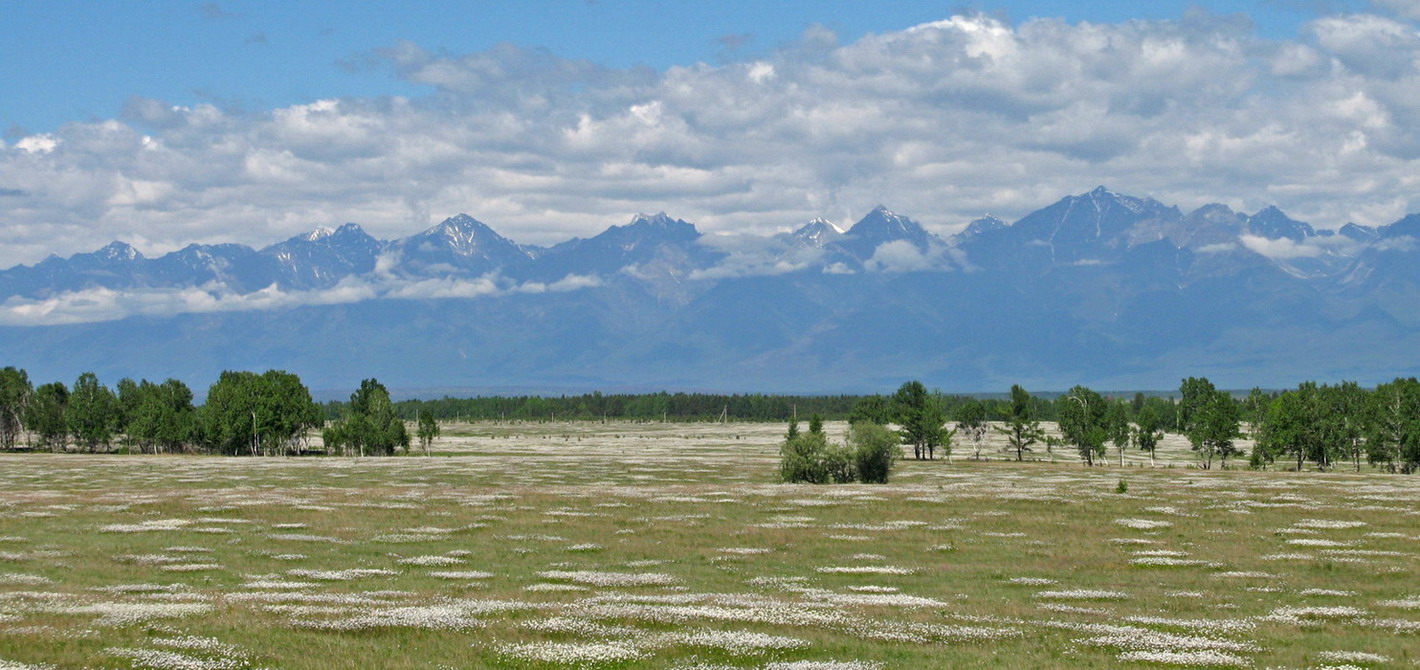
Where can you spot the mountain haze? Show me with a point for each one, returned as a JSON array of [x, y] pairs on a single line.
[[1100, 288]]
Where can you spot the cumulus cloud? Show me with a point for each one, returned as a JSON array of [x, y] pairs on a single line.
[[1402, 243], [1280, 249], [903, 256], [754, 256], [944, 121], [103, 304]]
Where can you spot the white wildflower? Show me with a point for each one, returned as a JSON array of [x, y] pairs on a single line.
[[1206, 657], [1143, 524], [431, 561], [595, 578], [866, 570]]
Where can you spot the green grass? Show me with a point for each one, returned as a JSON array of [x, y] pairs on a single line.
[[1260, 581]]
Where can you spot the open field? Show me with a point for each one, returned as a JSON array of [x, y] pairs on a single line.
[[670, 546]]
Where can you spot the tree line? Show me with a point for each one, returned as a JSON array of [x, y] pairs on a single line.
[[662, 406], [246, 413], [272, 413], [701, 407], [1326, 425]]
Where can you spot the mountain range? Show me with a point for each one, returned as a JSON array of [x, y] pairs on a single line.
[[1100, 288]]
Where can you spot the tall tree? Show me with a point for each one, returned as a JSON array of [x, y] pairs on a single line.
[[1254, 411], [873, 409], [1117, 426], [372, 427], [247, 413], [921, 419], [1346, 404], [1292, 427], [1210, 420], [129, 395], [1021, 429], [92, 412], [15, 394], [1147, 432], [45, 416], [163, 419], [1084, 423], [1391, 423], [428, 429], [971, 424]]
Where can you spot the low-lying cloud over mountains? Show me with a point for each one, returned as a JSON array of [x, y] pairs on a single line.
[[1098, 287]]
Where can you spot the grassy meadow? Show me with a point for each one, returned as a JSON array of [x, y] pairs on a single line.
[[627, 545]]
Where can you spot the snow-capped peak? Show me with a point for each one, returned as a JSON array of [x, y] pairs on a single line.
[[319, 234], [659, 218], [818, 232], [119, 251], [822, 223]]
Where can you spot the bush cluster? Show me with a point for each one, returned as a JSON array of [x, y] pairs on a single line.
[[867, 456]]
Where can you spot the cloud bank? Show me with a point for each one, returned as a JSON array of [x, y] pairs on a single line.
[[945, 120], [102, 304]]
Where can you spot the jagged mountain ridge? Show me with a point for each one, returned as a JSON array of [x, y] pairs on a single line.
[[1092, 228], [1098, 288]]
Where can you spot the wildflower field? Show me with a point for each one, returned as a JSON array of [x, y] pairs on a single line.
[[671, 546]]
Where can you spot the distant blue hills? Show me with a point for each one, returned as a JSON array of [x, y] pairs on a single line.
[[1098, 288]]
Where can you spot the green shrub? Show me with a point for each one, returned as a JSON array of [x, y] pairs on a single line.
[[809, 458], [802, 459], [874, 450]]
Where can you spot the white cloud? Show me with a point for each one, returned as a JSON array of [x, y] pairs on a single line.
[[37, 144], [103, 304], [563, 285], [752, 256], [903, 256], [943, 121], [1281, 248], [1402, 243]]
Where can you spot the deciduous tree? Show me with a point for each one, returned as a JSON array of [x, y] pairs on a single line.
[[15, 394], [428, 429], [1021, 429], [971, 424], [92, 412], [1084, 423], [1210, 420], [257, 414], [163, 418], [921, 419], [372, 427], [1391, 424], [45, 416], [1117, 426], [1147, 432]]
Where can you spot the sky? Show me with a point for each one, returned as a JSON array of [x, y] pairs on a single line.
[[163, 123]]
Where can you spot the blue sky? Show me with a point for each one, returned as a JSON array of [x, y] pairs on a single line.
[[166, 123], [77, 61]]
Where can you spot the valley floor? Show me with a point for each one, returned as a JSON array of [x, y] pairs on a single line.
[[670, 546]]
